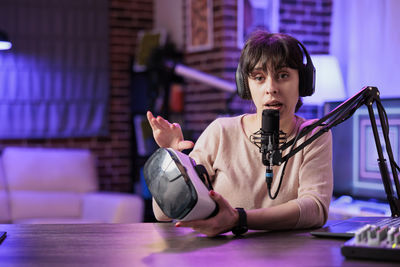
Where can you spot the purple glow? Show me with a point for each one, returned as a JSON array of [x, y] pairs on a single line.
[[4, 45]]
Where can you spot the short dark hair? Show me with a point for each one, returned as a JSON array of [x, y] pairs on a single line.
[[274, 51]]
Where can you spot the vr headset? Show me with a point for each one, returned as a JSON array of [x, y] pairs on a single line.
[[178, 185]]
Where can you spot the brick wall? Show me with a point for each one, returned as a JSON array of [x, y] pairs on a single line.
[[307, 20], [126, 18], [202, 103]]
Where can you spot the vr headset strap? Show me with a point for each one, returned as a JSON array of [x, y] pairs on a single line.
[[202, 173]]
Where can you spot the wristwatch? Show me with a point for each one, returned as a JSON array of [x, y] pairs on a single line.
[[241, 228]]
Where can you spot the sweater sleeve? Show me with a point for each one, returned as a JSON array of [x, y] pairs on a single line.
[[315, 182]]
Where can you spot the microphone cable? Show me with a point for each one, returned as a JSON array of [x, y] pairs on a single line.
[[269, 185], [256, 140]]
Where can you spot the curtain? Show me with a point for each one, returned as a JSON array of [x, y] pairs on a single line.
[[54, 82], [365, 37]]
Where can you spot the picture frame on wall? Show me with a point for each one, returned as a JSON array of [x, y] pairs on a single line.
[[199, 25], [256, 14]]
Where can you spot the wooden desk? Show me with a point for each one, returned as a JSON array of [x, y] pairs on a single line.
[[148, 244]]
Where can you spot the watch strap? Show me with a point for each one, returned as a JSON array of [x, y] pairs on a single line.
[[241, 228]]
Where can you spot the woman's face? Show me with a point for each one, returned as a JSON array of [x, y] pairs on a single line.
[[279, 90]]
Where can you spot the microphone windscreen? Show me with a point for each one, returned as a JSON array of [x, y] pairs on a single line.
[[270, 121]]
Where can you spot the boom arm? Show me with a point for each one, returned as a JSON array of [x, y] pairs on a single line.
[[367, 96]]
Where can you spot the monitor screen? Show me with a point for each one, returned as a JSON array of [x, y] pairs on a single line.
[[355, 166]]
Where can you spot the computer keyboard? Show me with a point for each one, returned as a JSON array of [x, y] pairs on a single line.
[[374, 242]]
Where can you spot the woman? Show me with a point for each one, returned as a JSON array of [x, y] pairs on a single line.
[[274, 76]]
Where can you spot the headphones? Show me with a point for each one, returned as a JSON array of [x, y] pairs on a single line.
[[306, 78]]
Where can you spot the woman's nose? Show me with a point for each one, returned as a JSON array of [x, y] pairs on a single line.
[[270, 86]]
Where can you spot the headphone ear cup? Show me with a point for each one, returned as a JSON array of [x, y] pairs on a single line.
[[307, 75], [240, 84], [310, 74], [307, 81]]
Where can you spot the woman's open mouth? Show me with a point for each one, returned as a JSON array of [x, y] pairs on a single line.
[[274, 105]]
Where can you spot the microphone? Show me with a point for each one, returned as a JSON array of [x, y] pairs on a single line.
[[270, 152]]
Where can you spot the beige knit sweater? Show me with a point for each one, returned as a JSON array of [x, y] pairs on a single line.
[[237, 173]]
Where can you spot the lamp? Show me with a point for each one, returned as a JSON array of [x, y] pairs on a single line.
[[5, 43], [329, 84]]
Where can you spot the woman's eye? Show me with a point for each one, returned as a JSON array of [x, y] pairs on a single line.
[[257, 77], [283, 75]]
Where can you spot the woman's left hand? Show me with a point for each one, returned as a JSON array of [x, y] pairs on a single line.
[[226, 218]]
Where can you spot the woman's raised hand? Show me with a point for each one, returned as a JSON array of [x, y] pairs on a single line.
[[168, 134]]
